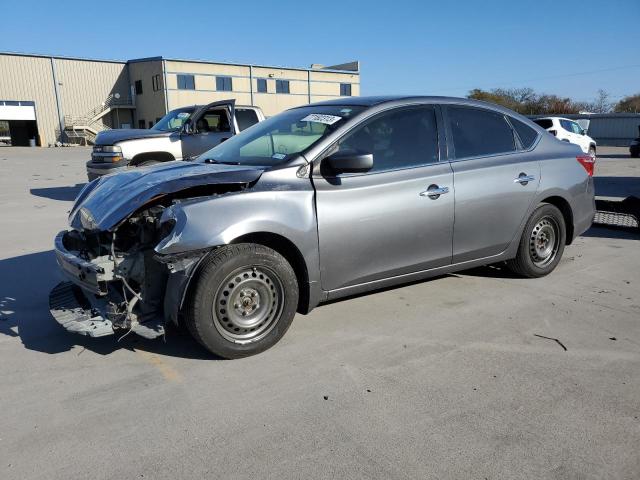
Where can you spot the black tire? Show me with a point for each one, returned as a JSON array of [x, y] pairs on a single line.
[[243, 300], [592, 151], [530, 260]]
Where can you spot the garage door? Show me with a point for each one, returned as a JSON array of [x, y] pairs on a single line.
[[17, 110]]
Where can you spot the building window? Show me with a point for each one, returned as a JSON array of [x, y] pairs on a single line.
[[186, 82], [138, 87], [224, 84], [141, 124], [262, 85], [155, 82], [345, 89], [282, 86]]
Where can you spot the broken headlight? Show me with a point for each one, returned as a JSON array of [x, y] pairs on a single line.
[[86, 219]]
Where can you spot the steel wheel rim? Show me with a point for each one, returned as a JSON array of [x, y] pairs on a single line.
[[544, 241], [248, 304]]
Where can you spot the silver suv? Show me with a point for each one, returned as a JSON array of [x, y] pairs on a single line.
[[181, 134], [317, 203]]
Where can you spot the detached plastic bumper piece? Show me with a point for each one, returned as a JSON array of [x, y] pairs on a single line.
[[67, 308]]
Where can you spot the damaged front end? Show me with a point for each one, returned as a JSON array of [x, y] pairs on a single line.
[[116, 282]]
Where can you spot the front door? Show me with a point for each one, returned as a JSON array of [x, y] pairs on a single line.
[[495, 181], [210, 125], [384, 223]]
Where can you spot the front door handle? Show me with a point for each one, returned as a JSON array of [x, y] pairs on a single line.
[[434, 192], [523, 179]]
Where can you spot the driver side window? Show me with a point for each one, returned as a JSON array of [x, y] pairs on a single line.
[[401, 138], [214, 121]]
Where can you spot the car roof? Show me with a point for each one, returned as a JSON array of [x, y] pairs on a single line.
[[370, 101], [553, 118], [193, 107], [374, 101], [400, 100]]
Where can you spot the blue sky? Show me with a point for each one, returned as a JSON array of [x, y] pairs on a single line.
[[571, 48]]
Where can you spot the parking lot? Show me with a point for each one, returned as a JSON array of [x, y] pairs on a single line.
[[447, 378]]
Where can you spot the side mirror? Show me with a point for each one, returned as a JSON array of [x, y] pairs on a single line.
[[350, 161], [583, 132]]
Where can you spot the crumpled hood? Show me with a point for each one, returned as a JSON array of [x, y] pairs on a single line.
[[110, 137], [105, 202]]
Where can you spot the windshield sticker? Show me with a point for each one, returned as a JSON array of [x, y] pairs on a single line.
[[319, 118], [183, 115], [279, 156]]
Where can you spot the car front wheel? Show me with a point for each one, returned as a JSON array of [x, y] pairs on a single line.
[[243, 302], [541, 244]]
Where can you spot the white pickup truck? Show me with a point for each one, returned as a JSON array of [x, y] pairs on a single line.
[[181, 134]]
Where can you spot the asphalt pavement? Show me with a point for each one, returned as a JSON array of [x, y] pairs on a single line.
[[472, 375]]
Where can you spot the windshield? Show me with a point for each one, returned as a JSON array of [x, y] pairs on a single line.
[[173, 120], [281, 137]]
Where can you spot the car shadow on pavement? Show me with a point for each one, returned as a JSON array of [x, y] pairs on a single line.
[[496, 270], [613, 232], [25, 282], [614, 155], [617, 186], [65, 194]]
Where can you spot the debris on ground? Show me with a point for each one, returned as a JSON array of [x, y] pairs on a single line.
[[554, 339]]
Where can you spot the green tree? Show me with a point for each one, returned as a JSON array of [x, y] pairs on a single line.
[[630, 104]]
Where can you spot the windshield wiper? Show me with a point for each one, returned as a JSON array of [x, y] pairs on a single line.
[[213, 160]]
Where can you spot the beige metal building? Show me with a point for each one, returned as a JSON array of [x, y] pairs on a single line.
[[50, 99]]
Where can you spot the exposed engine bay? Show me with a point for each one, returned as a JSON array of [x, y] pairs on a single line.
[[118, 282], [129, 282]]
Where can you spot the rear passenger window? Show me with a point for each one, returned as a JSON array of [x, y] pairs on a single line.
[[246, 118], [478, 132], [401, 138], [527, 134], [544, 123]]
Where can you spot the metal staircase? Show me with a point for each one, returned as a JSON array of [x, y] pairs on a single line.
[[84, 128]]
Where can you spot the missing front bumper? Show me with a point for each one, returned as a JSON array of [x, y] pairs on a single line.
[[72, 309], [69, 310]]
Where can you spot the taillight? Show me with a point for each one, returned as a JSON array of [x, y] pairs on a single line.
[[588, 162]]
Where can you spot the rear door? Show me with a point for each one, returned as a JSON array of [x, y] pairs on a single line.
[[495, 179], [383, 223], [579, 136], [210, 125]]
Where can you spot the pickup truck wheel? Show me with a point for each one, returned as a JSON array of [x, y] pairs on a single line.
[[541, 244], [243, 301]]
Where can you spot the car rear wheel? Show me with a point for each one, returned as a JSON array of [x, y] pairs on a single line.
[[541, 244], [243, 302], [592, 151]]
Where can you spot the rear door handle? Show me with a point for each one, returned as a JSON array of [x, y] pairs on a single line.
[[434, 192], [523, 179]]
